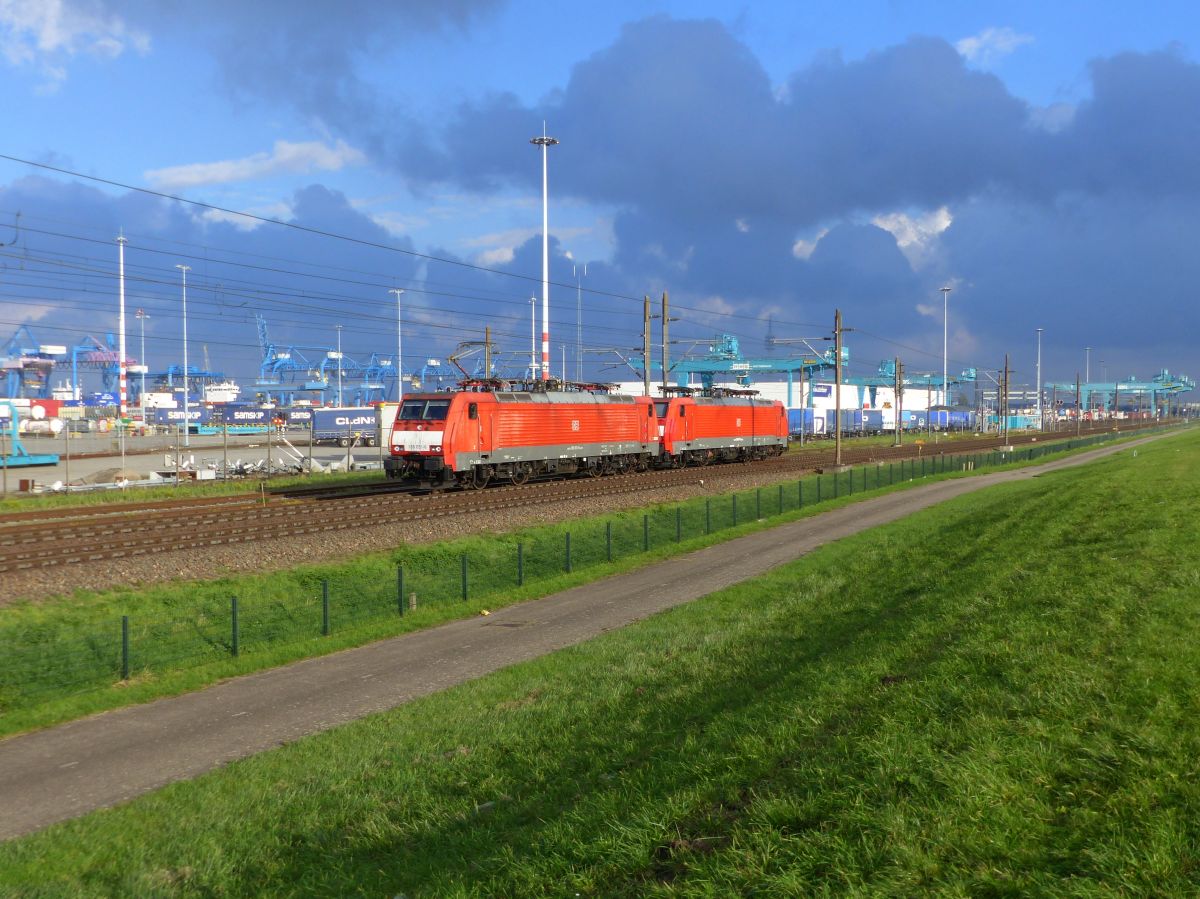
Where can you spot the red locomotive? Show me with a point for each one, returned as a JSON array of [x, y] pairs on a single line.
[[724, 426], [494, 431]]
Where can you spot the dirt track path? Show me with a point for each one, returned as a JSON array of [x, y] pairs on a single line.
[[67, 771]]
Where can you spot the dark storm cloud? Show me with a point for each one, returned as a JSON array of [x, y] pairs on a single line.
[[711, 173], [680, 116], [1140, 132], [1115, 272]]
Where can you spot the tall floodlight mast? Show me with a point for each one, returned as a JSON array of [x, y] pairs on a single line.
[[945, 343], [399, 292], [545, 143], [187, 409]]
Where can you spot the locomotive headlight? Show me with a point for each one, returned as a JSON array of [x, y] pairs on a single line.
[[397, 448], [436, 449]]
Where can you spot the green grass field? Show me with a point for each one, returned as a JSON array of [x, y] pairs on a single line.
[[993, 697]]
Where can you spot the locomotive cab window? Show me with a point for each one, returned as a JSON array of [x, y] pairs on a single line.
[[682, 411], [473, 410], [424, 410], [661, 409]]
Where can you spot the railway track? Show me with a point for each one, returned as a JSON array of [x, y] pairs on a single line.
[[84, 534]]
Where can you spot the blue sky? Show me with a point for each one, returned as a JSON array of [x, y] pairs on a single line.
[[760, 161]]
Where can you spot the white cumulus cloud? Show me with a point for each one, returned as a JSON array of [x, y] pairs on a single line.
[[285, 158], [991, 44], [916, 235], [803, 249], [45, 33]]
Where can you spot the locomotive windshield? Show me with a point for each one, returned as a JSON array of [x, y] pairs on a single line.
[[660, 409], [424, 410]]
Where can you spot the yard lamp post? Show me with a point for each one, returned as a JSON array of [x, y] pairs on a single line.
[[339, 364], [187, 421], [1041, 423], [945, 342], [545, 143], [399, 347], [141, 316]]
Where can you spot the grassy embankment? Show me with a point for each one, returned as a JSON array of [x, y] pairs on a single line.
[[61, 659], [995, 696]]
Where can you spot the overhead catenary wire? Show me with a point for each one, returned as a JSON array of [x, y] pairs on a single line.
[[255, 293], [307, 229]]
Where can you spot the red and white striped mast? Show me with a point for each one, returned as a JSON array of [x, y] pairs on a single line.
[[545, 143], [123, 386]]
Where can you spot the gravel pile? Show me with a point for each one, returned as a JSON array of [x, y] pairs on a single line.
[[211, 562]]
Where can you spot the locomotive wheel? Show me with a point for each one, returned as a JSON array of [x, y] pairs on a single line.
[[480, 475], [520, 475]]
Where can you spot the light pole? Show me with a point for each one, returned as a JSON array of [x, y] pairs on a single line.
[[141, 316], [1041, 423], [399, 348], [187, 421], [579, 321], [1087, 371], [945, 342], [545, 143], [339, 363]]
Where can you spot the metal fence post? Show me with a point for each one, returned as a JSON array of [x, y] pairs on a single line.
[[124, 647], [850, 482], [707, 515], [520, 564], [645, 533], [235, 631], [818, 488], [608, 540], [757, 503], [325, 608], [400, 590], [835, 484], [568, 569], [678, 524], [464, 577], [800, 494], [735, 510], [780, 499]]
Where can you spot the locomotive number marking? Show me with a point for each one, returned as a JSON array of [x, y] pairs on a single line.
[[575, 424]]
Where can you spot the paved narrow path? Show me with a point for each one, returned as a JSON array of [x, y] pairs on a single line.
[[72, 769]]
